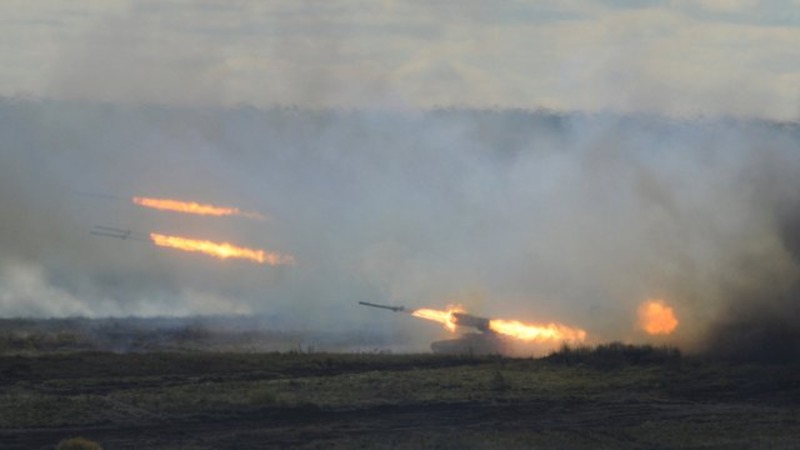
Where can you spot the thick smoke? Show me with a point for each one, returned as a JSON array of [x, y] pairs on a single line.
[[515, 214], [760, 321]]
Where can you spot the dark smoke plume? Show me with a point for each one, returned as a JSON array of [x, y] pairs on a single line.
[[762, 324]]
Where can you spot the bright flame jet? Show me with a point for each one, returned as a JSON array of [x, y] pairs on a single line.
[[164, 204], [456, 315], [655, 317], [222, 250], [537, 333], [446, 318]]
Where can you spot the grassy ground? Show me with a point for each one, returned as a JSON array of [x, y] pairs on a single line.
[[290, 400]]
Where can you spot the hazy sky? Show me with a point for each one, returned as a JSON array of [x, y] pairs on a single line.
[[679, 57]]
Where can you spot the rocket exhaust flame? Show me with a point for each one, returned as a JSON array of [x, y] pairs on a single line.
[[164, 204], [456, 315], [655, 317], [446, 318], [537, 333], [222, 250]]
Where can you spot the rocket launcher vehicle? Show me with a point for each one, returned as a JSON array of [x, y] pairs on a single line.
[[456, 318]]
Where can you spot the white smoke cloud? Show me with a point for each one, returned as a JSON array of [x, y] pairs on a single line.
[[514, 214], [24, 291]]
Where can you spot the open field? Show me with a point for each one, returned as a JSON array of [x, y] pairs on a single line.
[[203, 400]]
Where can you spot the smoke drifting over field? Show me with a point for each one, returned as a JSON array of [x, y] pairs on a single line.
[[514, 214], [760, 320]]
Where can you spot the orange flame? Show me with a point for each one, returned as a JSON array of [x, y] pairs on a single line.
[[222, 251], [165, 204], [655, 317], [444, 317], [553, 332], [537, 333]]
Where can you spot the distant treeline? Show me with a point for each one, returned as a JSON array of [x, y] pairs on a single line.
[[201, 333]]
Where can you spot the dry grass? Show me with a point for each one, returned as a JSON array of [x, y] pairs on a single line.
[[644, 397]]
